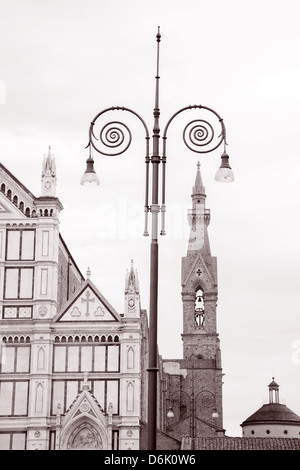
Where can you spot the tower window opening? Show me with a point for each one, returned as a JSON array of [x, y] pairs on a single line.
[[199, 309]]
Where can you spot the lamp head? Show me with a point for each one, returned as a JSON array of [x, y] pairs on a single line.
[[225, 173], [89, 177], [170, 413]]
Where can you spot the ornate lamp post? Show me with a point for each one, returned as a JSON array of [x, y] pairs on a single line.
[[208, 397], [114, 138]]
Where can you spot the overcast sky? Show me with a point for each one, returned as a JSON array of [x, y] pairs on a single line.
[[62, 62]]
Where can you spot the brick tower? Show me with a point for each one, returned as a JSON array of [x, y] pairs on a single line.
[[193, 386]]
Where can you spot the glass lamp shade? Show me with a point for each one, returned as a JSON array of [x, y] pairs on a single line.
[[225, 173], [89, 177], [170, 413]]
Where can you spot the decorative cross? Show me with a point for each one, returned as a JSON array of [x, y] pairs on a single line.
[[87, 300], [199, 272]]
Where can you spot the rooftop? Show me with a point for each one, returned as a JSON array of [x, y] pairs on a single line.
[[242, 443], [273, 412]]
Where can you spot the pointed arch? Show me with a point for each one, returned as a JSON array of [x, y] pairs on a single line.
[[39, 397], [199, 307], [85, 426], [85, 437], [41, 358], [130, 358], [130, 397]]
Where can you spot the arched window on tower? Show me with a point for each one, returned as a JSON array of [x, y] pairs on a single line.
[[199, 309]]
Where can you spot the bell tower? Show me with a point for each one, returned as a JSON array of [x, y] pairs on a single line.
[[200, 393], [199, 283]]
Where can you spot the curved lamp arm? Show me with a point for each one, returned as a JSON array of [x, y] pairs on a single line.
[[114, 139], [170, 413], [198, 136]]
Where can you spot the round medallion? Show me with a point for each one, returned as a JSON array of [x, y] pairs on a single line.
[[84, 407]]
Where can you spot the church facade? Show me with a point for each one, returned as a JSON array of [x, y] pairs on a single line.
[[72, 368]]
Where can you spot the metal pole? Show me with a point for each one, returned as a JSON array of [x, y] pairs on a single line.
[[193, 411], [153, 369]]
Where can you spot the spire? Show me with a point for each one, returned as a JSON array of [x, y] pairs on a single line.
[[131, 280], [198, 216], [49, 167], [49, 175], [132, 293], [198, 188], [131, 274]]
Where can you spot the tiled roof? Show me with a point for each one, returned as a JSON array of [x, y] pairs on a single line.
[[242, 443], [273, 412]]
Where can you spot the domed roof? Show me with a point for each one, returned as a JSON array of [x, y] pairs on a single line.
[[273, 413], [273, 384]]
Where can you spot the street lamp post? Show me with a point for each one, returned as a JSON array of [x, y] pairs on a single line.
[[114, 139], [192, 401]]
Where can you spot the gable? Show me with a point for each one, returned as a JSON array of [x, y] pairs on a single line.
[[84, 426], [196, 271], [88, 306]]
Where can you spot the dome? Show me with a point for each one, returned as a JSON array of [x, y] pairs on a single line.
[[274, 413], [273, 384]]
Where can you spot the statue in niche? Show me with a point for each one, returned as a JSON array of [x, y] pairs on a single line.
[[199, 309]]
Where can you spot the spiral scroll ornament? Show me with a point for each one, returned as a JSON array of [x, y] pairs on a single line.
[[114, 138], [199, 136]]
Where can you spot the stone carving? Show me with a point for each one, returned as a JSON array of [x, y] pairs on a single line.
[[85, 407], [10, 312], [75, 312], [42, 310], [86, 439], [25, 312], [100, 312], [87, 300]]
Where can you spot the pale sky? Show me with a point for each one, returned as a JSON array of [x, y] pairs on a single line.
[[64, 61]]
